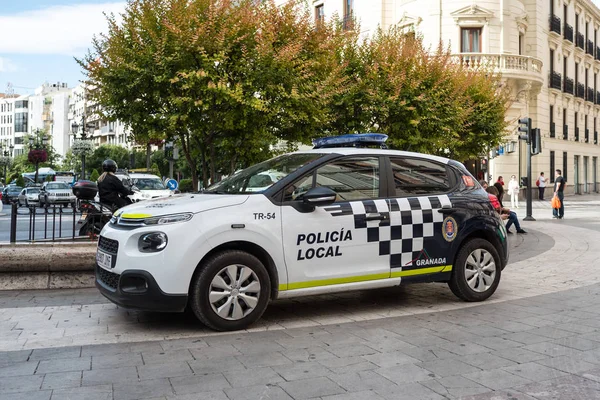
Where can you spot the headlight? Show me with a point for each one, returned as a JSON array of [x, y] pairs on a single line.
[[168, 219], [152, 242]]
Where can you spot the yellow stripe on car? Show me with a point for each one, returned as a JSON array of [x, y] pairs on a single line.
[[363, 278], [135, 216]]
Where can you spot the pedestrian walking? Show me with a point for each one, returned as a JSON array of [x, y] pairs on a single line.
[[513, 191], [541, 184], [500, 186], [559, 187]]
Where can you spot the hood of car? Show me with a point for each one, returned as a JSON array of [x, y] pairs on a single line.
[[180, 203], [151, 194], [61, 191]]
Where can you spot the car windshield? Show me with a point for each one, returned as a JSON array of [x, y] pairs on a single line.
[[260, 177], [57, 186], [33, 191], [15, 189], [149, 184]]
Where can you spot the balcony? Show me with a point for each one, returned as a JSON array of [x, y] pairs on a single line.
[[565, 132], [579, 40], [580, 91], [597, 53], [552, 129], [590, 48], [568, 32], [554, 24], [597, 98], [569, 86], [516, 67], [555, 80], [595, 137], [589, 94], [587, 136], [576, 134]]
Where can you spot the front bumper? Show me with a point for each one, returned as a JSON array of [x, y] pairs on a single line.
[[66, 200], [137, 289]]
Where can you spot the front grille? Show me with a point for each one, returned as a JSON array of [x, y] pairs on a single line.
[[108, 278], [61, 194], [108, 245]]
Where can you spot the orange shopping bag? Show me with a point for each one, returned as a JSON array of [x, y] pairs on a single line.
[[555, 202]]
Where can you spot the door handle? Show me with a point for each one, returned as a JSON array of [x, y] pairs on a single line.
[[447, 210], [375, 217]]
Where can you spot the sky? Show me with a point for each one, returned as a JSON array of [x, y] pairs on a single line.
[[39, 39]]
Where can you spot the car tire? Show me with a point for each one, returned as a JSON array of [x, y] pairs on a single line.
[[242, 302], [476, 271]]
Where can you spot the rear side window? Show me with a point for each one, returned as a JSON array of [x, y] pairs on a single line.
[[416, 176]]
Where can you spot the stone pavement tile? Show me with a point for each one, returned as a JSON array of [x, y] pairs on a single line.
[[300, 342], [424, 340], [345, 365], [11, 357], [448, 367], [454, 386], [215, 352], [552, 349], [386, 345], [406, 374], [64, 365], [216, 365], [100, 392], [253, 377], [55, 353], [360, 381], [499, 395], [253, 393], [409, 391], [362, 395], [106, 376], [117, 360], [526, 337], [519, 355], [164, 357], [348, 350], [577, 342], [20, 383], [37, 395], [534, 371], [264, 360], [142, 389], [496, 342], [199, 383], [390, 359], [592, 374], [550, 332], [593, 336], [312, 369], [19, 368], [429, 353], [487, 361], [307, 354], [309, 388], [250, 348], [464, 348], [188, 343], [512, 326], [533, 321], [218, 395], [497, 379], [591, 356], [62, 380], [105, 349], [568, 387], [572, 365], [576, 327], [164, 370]]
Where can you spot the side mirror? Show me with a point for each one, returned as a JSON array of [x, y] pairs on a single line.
[[135, 188], [319, 196]]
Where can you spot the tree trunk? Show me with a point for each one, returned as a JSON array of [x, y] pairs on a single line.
[[204, 167], [185, 146], [213, 173], [148, 147]]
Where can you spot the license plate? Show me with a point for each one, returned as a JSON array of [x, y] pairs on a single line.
[[104, 260]]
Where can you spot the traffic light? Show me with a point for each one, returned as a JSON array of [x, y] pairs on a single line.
[[525, 128], [536, 141]]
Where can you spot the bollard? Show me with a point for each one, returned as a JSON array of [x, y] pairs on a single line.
[[13, 223]]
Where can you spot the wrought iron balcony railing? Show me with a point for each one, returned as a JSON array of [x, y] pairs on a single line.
[[597, 98], [555, 80], [595, 137], [580, 90], [597, 53], [580, 40], [589, 94], [554, 24], [568, 86], [568, 32], [590, 48]]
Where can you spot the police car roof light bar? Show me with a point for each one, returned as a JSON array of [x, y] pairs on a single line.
[[352, 140]]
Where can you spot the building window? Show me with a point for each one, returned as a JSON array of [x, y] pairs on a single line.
[[552, 167], [470, 40], [551, 56], [564, 171], [319, 14], [348, 13], [552, 128]]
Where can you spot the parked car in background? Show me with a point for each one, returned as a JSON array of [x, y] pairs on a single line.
[[56, 193], [29, 195], [150, 187], [11, 193]]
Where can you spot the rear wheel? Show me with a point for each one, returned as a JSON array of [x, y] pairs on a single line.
[[231, 291], [476, 272]]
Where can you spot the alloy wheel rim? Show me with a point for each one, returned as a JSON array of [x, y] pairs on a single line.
[[234, 292], [480, 270]]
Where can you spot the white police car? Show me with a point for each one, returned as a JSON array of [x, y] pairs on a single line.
[[337, 219]]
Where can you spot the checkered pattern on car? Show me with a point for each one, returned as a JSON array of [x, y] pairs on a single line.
[[401, 235]]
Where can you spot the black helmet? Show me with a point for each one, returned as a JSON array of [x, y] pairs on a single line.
[[109, 166]]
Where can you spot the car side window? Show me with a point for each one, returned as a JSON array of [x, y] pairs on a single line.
[[354, 178], [417, 176]]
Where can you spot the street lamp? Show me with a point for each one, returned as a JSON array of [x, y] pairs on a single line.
[[75, 128], [7, 157], [37, 150]]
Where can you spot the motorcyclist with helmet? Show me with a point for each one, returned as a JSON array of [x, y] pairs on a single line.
[[110, 188]]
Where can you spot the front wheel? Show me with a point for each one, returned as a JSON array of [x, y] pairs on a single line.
[[476, 272], [230, 291]]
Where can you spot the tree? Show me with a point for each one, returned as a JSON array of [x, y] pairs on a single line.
[[94, 176]]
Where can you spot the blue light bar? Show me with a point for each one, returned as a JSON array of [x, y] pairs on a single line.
[[351, 140]]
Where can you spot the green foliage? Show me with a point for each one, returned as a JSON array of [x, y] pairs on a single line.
[[154, 170], [20, 181], [49, 178], [94, 176], [185, 185], [117, 153]]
